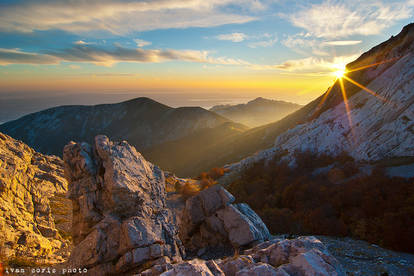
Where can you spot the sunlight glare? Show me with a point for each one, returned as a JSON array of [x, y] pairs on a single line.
[[340, 70], [340, 73]]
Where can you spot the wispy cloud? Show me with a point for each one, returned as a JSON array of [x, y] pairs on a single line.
[[308, 66], [265, 40], [256, 41], [305, 45], [80, 42], [105, 57], [119, 17], [234, 37], [16, 56], [335, 19], [142, 43], [342, 42], [314, 64]]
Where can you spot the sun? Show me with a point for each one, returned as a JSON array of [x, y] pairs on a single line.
[[339, 70], [340, 73]]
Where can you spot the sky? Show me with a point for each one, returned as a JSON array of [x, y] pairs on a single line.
[[195, 50]]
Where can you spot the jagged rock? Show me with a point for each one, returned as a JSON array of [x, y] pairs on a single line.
[[28, 180], [120, 219], [278, 257], [193, 268], [210, 220], [261, 270], [301, 256]]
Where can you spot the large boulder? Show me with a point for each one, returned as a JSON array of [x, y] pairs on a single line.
[[120, 219], [211, 222]]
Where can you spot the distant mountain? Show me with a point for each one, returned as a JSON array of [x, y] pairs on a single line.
[[257, 112], [142, 121]]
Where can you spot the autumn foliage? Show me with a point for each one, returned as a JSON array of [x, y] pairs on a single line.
[[330, 196], [204, 181]]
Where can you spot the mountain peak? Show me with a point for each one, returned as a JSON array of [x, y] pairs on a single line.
[[259, 100]]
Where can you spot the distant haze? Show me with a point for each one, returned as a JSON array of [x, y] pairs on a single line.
[[17, 104]]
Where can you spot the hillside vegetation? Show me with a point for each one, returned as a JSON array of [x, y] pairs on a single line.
[[330, 197]]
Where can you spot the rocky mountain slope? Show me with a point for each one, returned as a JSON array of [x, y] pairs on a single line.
[[142, 121], [122, 226], [378, 128], [29, 182], [256, 112]]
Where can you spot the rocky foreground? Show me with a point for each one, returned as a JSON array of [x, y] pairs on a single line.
[[126, 224], [30, 189], [122, 225]]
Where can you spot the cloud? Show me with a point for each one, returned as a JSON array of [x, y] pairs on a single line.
[[305, 44], [299, 41], [234, 37], [104, 57], [342, 42], [80, 42], [142, 43], [108, 57], [261, 40], [335, 19], [16, 56], [120, 17], [315, 64], [265, 40]]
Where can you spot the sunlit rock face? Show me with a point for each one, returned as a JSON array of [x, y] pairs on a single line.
[[28, 180], [120, 219]]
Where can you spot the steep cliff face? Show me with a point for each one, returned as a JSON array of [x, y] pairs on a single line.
[[28, 180]]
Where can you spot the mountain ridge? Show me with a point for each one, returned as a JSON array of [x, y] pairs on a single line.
[[142, 121], [256, 112]]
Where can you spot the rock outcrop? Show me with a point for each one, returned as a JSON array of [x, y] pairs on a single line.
[[210, 222], [28, 180], [122, 224], [120, 219]]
